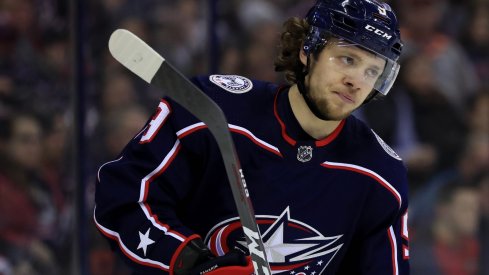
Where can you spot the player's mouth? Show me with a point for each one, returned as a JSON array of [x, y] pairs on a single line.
[[345, 97]]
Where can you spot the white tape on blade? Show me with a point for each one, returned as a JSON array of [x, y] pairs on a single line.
[[135, 54]]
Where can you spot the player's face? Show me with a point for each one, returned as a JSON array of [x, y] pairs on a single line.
[[341, 79]]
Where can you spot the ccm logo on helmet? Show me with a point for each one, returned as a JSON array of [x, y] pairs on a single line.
[[378, 32]]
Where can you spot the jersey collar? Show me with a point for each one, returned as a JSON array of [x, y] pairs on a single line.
[[283, 112]]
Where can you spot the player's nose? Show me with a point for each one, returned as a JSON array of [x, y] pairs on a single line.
[[356, 79], [352, 80]]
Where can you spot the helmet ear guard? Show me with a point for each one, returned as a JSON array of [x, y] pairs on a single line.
[[314, 41]]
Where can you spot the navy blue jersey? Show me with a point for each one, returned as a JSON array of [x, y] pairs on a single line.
[[331, 206]]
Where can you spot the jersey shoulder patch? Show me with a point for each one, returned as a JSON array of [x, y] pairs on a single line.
[[232, 83], [386, 147]]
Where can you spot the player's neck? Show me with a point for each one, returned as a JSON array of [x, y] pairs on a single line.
[[311, 124]]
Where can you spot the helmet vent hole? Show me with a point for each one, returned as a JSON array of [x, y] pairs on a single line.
[[397, 48], [343, 22], [349, 22], [382, 18], [351, 9]]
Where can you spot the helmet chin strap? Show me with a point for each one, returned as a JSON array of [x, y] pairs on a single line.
[[305, 91]]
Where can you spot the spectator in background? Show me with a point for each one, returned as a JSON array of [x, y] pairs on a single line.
[[453, 247], [472, 166], [475, 158], [53, 162], [181, 34], [7, 37], [475, 40], [23, 58], [484, 226], [53, 85], [115, 91], [259, 52], [26, 212], [419, 122], [455, 229], [8, 100], [261, 24], [478, 114], [37, 54], [55, 171], [439, 131], [231, 61], [453, 72]]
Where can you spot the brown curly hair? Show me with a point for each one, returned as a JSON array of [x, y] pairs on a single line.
[[294, 32]]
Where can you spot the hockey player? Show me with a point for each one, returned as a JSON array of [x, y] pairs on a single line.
[[330, 197]]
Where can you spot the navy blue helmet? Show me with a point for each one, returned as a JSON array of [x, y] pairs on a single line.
[[368, 24]]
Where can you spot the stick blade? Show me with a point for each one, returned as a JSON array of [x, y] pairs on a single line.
[[135, 54]]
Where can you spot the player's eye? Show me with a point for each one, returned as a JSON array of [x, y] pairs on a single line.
[[347, 60], [372, 73]]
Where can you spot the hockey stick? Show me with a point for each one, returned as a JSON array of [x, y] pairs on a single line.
[[146, 63]]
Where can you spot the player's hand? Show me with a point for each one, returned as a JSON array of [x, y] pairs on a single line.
[[234, 262], [196, 259]]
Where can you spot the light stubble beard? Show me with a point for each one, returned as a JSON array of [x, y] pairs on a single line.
[[322, 109]]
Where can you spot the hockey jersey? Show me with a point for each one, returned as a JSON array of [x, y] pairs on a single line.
[[331, 206]]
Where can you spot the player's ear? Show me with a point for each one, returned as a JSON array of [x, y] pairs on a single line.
[[303, 56]]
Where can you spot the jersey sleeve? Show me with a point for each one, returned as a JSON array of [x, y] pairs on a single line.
[[382, 245], [137, 196], [385, 251], [381, 241]]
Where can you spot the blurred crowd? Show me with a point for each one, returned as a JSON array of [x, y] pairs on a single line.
[[436, 117]]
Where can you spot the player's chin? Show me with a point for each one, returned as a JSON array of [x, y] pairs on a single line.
[[335, 114], [330, 112], [340, 112], [340, 116]]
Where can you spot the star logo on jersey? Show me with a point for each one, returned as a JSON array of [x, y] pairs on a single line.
[[144, 241], [304, 153], [292, 247]]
